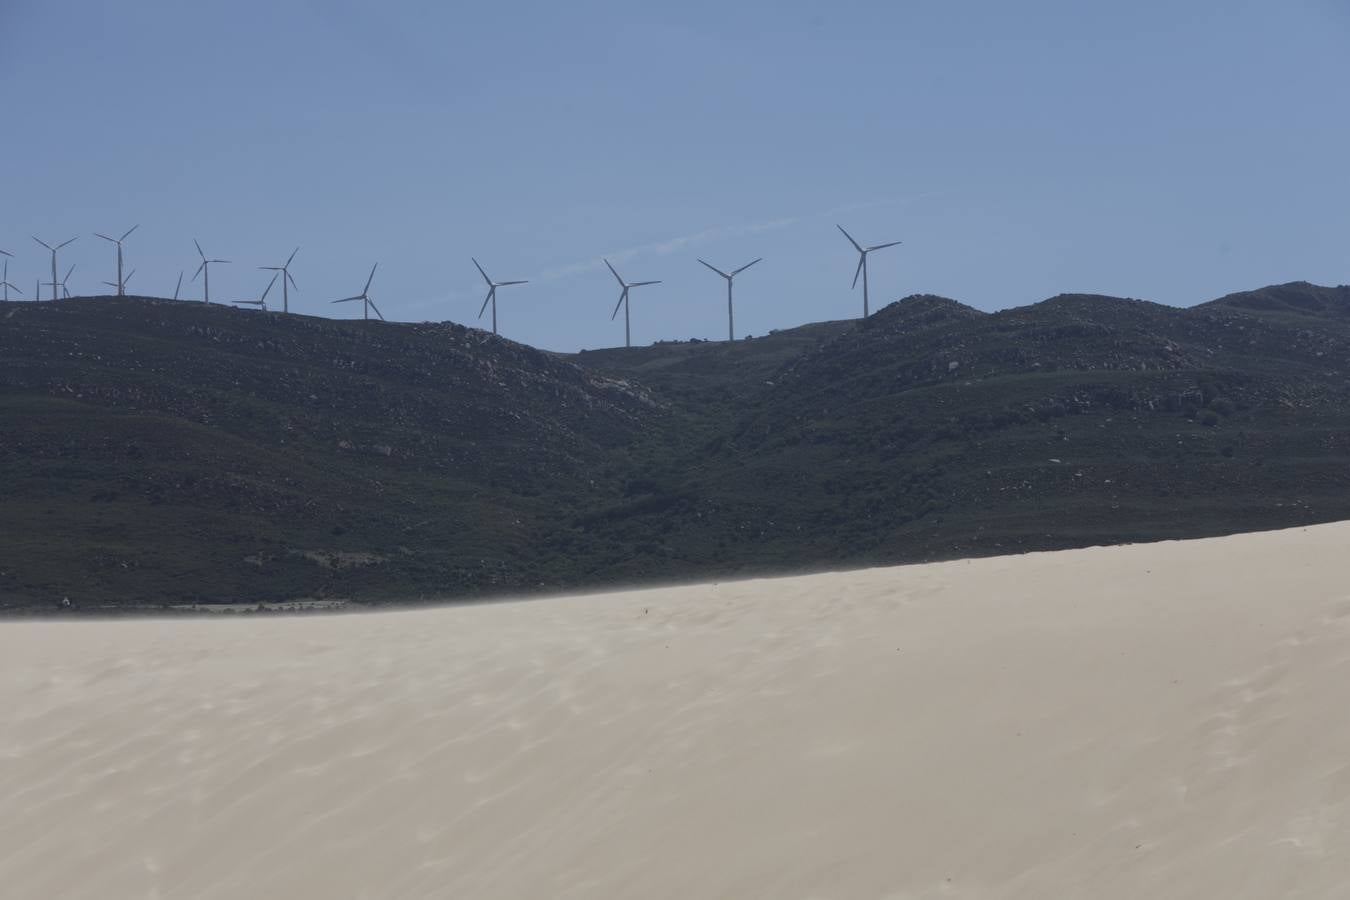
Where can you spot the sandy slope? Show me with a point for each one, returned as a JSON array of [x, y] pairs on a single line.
[[1155, 721]]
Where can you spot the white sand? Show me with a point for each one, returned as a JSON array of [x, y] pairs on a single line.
[[1169, 720]]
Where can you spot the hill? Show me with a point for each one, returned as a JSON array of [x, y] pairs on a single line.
[[160, 452]]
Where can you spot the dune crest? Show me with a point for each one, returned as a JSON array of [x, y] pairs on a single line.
[[1161, 720]]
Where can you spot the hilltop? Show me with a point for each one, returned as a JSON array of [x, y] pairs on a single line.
[[161, 452]]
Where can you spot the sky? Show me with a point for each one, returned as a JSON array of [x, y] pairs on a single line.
[[1167, 151]]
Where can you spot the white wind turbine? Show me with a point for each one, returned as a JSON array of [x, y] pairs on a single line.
[[205, 268], [492, 293], [364, 297], [121, 282], [862, 263], [285, 271], [65, 291], [261, 302], [623, 301], [54, 283], [730, 276], [4, 279], [124, 282]]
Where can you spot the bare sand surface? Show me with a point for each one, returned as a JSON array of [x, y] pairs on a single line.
[[1154, 721]]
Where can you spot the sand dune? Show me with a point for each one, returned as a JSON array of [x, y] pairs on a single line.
[[1153, 721]]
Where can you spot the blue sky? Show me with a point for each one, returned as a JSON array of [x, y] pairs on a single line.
[[1169, 151]]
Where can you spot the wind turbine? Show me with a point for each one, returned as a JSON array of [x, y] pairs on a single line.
[[364, 297], [4, 279], [285, 271], [731, 322], [623, 301], [205, 267], [65, 291], [178, 286], [54, 282], [862, 263], [261, 302], [492, 293], [121, 282]]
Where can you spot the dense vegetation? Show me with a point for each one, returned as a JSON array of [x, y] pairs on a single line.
[[157, 453]]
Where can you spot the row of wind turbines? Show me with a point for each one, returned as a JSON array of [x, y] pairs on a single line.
[[368, 305]]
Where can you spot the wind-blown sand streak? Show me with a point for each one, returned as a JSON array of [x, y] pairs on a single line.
[[1155, 721]]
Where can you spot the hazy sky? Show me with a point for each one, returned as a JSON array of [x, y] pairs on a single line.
[[1164, 150]]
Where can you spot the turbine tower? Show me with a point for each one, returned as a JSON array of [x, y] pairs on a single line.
[[364, 297], [492, 293], [730, 276], [4, 279], [261, 302], [121, 282], [623, 301], [862, 263], [205, 267], [54, 283], [285, 271]]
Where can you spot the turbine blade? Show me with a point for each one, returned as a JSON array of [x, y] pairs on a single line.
[[622, 297], [348, 299], [855, 244], [198, 272], [220, 260], [858, 271], [63, 243], [746, 266], [884, 246], [371, 278], [5, 253], [641, 283], [717, 270], [376, 308], [271, 268], [501, 283], [291, 257], [268, 288], [129, 231], [68, 271], [483, 308], [199, 249], [127, 280], [43, 243], [105, 237], [480, 271], [291, 280], [616, 275]]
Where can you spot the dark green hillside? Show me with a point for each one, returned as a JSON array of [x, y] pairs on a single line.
[[933, 429], [155, 450], [159, 452]]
